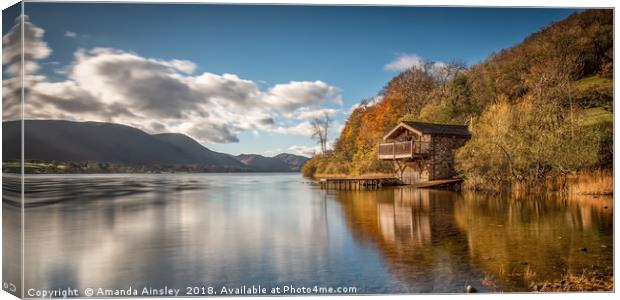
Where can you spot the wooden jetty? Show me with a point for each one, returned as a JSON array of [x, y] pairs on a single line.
[[357, 183], [439, 184], [376, 182]]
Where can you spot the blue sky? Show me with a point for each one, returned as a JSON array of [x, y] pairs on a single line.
[[345, 48]]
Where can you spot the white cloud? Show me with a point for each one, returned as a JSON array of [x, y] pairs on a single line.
[[336, 129], [272, 152], [147, 86], [157, 95], [34, 47], [407, 61], [404, 62], [306, 113], [366, 103], [228, 89], [375, 100], [304, 150], [296, 94], [184, 66], [308, 150], [303, 129], [70, 34]]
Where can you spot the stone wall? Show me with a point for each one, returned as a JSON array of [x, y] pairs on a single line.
[[442, 160], [438, 165]]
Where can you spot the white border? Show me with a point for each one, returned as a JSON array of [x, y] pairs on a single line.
[[471, 3], [475, 3], [503, 3]]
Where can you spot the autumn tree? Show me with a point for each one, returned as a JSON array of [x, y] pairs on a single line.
[[528, 142], [411, 89], [540, 108]]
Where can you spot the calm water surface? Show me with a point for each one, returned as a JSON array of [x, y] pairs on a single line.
[[116, 231]]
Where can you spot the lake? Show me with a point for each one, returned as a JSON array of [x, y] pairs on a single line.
[[228, 230]]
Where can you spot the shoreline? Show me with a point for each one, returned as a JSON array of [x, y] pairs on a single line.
[[586, 183]]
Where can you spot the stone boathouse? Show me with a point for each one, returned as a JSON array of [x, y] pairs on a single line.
[[423, 151]]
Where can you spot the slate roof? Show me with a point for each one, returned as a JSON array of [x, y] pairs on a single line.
[[439, 129], [433, 129]]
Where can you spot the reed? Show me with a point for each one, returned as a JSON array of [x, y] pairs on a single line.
[[529, 274], [489, 281], [593, 183], [598, 182], [586, 281]]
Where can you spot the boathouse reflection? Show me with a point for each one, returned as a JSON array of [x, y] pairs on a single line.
[[414, 229]]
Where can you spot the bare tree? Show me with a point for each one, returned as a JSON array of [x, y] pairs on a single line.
[[444, 72], [320, 128]]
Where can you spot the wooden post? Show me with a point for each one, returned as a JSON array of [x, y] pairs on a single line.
[[394, 150]]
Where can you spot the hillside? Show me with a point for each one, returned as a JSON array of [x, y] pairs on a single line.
[[47, 140], [66, 146], [542, 91], [295, 162], [197, 152], [264, 164]]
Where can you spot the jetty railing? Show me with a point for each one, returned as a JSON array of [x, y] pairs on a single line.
[[407, 149]]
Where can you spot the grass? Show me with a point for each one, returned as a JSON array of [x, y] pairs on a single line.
[[29, 166], [596, 116], [595, 90], [569, 282], [583, 183], [599, 182], [488, 281], [529, 274], [594, 82], [586, 281]]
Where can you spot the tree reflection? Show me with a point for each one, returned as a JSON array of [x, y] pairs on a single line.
[[519, 239], [439, 241]]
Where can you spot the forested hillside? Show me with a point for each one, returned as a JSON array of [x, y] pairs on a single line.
[[540, 109]]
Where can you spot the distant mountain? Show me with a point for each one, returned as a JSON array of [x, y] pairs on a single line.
[[55, 140], [264, 164], [67, 141], [293, 161], [197, 152]]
